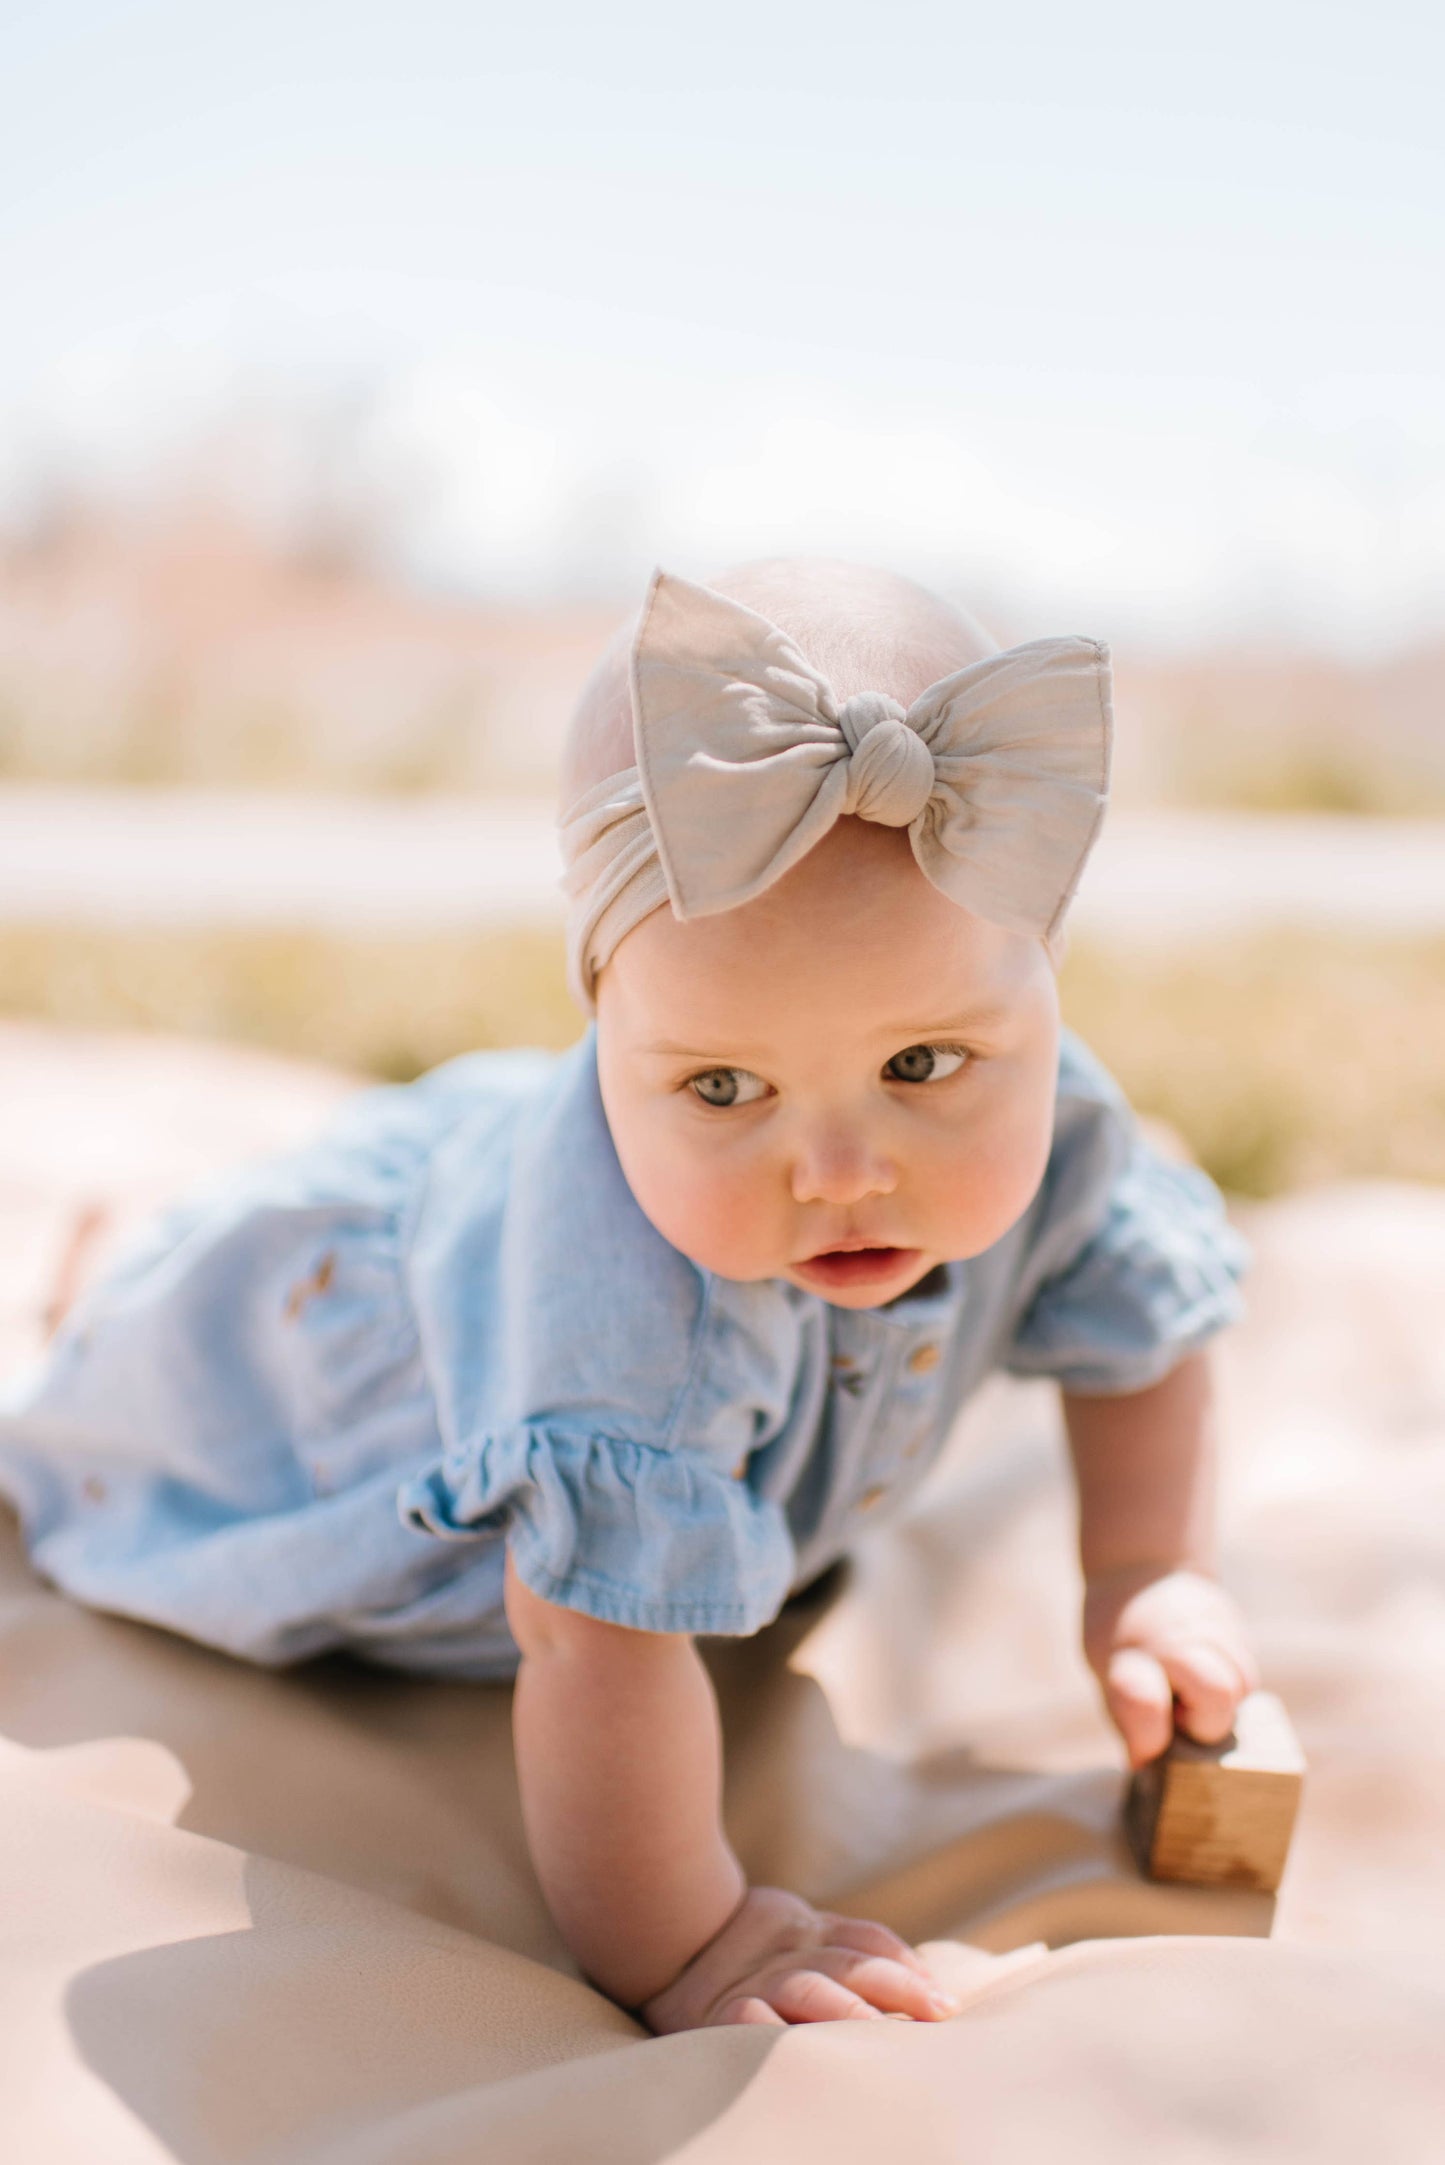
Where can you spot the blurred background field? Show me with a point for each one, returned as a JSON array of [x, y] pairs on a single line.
[[348, 403], [174, 640]]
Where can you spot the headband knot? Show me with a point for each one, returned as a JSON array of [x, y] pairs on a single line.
[[890, 772]]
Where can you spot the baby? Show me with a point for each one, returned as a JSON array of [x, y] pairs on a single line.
[[546, 1366]]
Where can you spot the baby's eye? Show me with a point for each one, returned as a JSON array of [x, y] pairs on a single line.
[[925, 1063], [727, 1086]]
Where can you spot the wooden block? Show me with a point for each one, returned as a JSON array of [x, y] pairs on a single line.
[[1221, 1815]]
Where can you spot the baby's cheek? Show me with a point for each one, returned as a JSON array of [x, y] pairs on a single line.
[[976, 1195], [714, 1214]]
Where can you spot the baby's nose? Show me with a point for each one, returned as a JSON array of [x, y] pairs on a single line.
[[841, 1169]]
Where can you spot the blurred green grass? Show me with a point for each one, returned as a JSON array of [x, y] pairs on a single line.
[[1283, 1059], [1287, 777]]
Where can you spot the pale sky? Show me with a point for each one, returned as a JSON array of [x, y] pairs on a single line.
[[1130, 319]]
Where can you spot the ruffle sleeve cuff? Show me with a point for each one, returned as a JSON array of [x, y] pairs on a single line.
[[659, 1540], [1159, 1278]]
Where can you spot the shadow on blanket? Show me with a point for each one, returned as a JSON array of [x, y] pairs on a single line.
[[291, 1918]]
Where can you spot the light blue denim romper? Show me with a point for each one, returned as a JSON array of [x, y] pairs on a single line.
[[313, 1406]]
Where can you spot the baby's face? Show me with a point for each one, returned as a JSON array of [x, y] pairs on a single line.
[[843, 1083]]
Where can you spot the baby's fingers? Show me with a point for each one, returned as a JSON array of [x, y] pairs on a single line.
[[747, 2010], [1140, 1699], [864, 1937], [1209, 1685], [813, 1996], [887, 1985]]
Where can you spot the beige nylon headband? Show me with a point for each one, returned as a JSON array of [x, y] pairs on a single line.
[[746, 758]]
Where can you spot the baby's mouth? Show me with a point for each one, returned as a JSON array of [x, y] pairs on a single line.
[[854, 1264]]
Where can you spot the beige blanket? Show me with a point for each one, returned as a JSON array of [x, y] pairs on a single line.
[[291, 1918]]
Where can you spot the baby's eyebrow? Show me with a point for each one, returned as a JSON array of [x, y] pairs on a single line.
[[977, 1018], [689, 1052], [897, 1034]]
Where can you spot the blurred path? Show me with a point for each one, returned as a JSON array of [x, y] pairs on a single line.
[[409, 863]]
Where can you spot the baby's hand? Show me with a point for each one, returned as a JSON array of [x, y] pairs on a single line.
[[1154, 1637], [779, 1960]]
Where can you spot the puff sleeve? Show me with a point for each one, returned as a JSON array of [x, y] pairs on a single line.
[[661, 1540], [1132, 1265]]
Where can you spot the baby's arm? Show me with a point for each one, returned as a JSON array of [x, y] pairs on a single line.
[[619, 1758], [1157, 1624]]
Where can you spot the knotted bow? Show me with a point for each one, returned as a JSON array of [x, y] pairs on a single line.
[[890, 771], [745, 759]]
